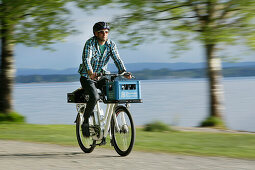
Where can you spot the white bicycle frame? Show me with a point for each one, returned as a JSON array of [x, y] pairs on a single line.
[[102, 119]]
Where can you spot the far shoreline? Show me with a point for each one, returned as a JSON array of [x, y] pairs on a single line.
[[159, 79]]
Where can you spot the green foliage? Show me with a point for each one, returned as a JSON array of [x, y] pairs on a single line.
[[34, 22], [213, 121], [195, 143], [11, 117], [156, 126], [210, 22]]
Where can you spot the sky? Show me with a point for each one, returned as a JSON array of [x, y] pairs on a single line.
[[68, 54]]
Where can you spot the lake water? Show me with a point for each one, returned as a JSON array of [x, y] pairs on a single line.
[[180, 102]]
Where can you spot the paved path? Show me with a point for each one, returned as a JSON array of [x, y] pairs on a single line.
[[25, 156]]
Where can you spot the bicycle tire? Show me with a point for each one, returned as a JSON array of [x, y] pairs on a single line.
[[123, 141], [87, 145]]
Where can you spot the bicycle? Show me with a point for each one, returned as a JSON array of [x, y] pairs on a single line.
[[117, 121]]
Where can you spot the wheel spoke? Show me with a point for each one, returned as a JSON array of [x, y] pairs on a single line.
[[87, 141], [87, 144], [123, 139]]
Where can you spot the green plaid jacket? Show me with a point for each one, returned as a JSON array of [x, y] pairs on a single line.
[[92, 59]]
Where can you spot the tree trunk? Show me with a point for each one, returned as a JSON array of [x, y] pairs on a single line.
[[215, 86], [7, 69]]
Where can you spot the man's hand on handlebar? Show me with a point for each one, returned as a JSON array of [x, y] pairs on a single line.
[[94, 76], [127, 75]]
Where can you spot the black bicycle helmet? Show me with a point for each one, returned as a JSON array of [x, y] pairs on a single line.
[[100, 26]]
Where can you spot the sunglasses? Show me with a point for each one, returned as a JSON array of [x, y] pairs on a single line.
[[101, 32]]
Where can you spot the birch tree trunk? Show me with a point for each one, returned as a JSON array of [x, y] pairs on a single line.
[[215, 86], [7, 69]]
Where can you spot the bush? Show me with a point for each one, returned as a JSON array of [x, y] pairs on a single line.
[[11, 117], [213, 121], [157, 126]]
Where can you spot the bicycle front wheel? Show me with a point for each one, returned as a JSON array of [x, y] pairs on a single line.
[[123, 131], [87, 144]]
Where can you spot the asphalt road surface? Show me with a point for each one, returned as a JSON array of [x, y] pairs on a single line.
[[25, 156]]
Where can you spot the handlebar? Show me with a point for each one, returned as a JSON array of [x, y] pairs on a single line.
[[114, 75]]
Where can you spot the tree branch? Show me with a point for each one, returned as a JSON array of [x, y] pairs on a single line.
[[173, 18], [164, 2], [233, 23], [167, 9], [23, 16], [227, 9], [224, 15], [210, 9], [199, 16]]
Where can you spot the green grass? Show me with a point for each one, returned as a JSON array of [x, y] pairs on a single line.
[[156, 126], [213, 121], [198, 143], [192, 143], [11, 117], [55, 134]]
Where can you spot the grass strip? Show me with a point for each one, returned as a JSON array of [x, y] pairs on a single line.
[[193, 143]]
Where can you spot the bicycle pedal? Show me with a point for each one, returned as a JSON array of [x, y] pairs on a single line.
[[103, 142], [93, 145]]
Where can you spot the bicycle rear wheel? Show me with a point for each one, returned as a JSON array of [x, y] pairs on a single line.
[[87, 144], [123, 131]]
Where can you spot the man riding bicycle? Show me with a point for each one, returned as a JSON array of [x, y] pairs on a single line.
[[95, 57]]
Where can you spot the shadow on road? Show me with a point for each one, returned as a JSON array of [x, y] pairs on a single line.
[[41, 155], [54, 155]]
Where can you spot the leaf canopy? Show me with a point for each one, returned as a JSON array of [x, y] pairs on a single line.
[[35, 22], [217, 22]]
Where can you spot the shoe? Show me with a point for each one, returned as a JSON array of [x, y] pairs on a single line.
[[85, 129]]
